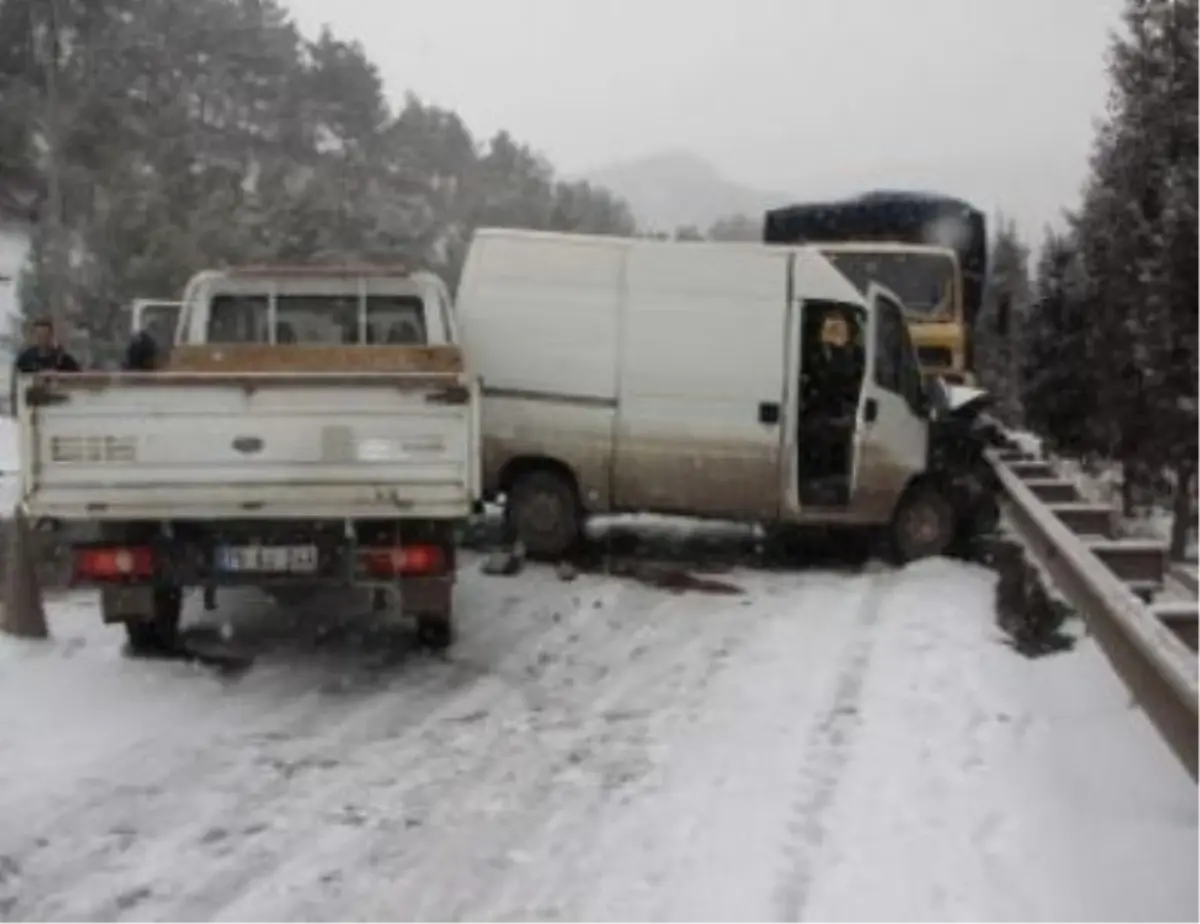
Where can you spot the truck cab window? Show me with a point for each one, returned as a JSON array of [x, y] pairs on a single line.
[[320, 319], [397, 320], [238, 319]]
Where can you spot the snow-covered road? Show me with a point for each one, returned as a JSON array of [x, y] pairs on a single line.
[[822, 745]]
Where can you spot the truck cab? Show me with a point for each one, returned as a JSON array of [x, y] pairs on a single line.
[[310, 426]]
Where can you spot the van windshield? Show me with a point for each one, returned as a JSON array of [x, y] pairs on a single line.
[[318, 319]]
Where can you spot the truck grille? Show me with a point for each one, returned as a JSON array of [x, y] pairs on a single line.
[[93, 449]]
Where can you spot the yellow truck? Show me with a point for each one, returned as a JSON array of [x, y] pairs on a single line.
[[930, 250]]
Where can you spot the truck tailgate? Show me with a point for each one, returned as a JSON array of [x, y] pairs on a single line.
[[260, 445]]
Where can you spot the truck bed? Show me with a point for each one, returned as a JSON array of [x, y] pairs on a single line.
[[263, 445]]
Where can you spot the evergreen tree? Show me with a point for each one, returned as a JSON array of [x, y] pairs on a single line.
[[997, 329], [199, 133], [1058, 392]]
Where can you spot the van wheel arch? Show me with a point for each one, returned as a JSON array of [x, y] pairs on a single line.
[[543, 509]]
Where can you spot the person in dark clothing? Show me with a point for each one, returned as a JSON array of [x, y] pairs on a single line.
[[43, 355], [834, 370], [833, 373], [141, 355]]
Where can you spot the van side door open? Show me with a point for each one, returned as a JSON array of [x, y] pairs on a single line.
[[892, 433]]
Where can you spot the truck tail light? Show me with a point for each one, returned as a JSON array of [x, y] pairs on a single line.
[[402, 560], [114, 563]]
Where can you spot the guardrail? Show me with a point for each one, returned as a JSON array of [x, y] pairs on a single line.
[[1110, 583]]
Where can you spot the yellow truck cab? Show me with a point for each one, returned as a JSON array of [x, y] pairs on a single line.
[[928, 248], [929, 281]]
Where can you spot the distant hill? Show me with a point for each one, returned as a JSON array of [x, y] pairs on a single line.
[[673, 190]]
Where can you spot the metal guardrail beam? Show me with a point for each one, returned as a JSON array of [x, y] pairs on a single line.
[[1157, 668]]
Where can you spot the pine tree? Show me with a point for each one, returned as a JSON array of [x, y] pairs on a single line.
[[1005, 300], [199, 133], [1057, 387], [1136, 234]]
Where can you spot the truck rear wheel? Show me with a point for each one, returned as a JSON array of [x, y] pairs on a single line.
[[159, 634], [543, 514], [924, 525], [435, 631]]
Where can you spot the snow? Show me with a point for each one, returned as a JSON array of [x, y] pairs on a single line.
[[825, 745], [1027, 442]]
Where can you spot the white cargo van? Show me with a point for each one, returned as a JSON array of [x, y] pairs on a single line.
[[739, 381]]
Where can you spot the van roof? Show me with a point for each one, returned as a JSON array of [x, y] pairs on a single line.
[[814, 272]]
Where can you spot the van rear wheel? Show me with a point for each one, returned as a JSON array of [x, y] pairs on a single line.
[[543, 513], [924, 526]]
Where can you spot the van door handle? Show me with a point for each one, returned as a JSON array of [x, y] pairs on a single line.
[[768, 412], [870, 410]]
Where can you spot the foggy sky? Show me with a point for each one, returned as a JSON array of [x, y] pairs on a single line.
[[994, 100]]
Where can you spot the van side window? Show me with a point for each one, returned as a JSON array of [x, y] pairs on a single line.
[[238, 319], [398, 320]]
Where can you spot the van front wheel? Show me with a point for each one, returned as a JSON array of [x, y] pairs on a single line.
[[924, 525], [543, 514]]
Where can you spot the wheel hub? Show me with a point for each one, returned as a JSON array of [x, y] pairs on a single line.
[[923, 526], [542, 513]]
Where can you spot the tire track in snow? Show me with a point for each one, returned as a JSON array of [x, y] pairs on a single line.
[[828, 748], [203, 788], [273, 814], [529, 770]]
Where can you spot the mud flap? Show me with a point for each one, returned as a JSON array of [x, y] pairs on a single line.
[[127, 604]]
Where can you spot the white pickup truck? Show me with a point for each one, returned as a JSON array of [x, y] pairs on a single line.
[[311, 426]]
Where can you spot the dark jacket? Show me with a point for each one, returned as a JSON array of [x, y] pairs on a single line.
[[832, 382], [31, 360], [141, 355], [56, 359]]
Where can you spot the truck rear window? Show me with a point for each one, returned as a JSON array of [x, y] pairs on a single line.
[[319, 319]]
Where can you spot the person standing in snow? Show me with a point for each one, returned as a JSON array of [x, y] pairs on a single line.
[[43, 355]]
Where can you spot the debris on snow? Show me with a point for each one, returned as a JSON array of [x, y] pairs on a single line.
[[1029, 614]]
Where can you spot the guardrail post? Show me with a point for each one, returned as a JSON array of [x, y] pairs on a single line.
[[1085, 519], [1032, 468], [1181, 617], [1053, 490]]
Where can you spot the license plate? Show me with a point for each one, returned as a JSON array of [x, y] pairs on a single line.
[[259, 559]]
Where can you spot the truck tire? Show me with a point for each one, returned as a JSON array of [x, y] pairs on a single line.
[[543, 514], [158, 635], [925, 524], [435, 631]]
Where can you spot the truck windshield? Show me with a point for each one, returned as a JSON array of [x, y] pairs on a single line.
[[923, 281], [318, 319]]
